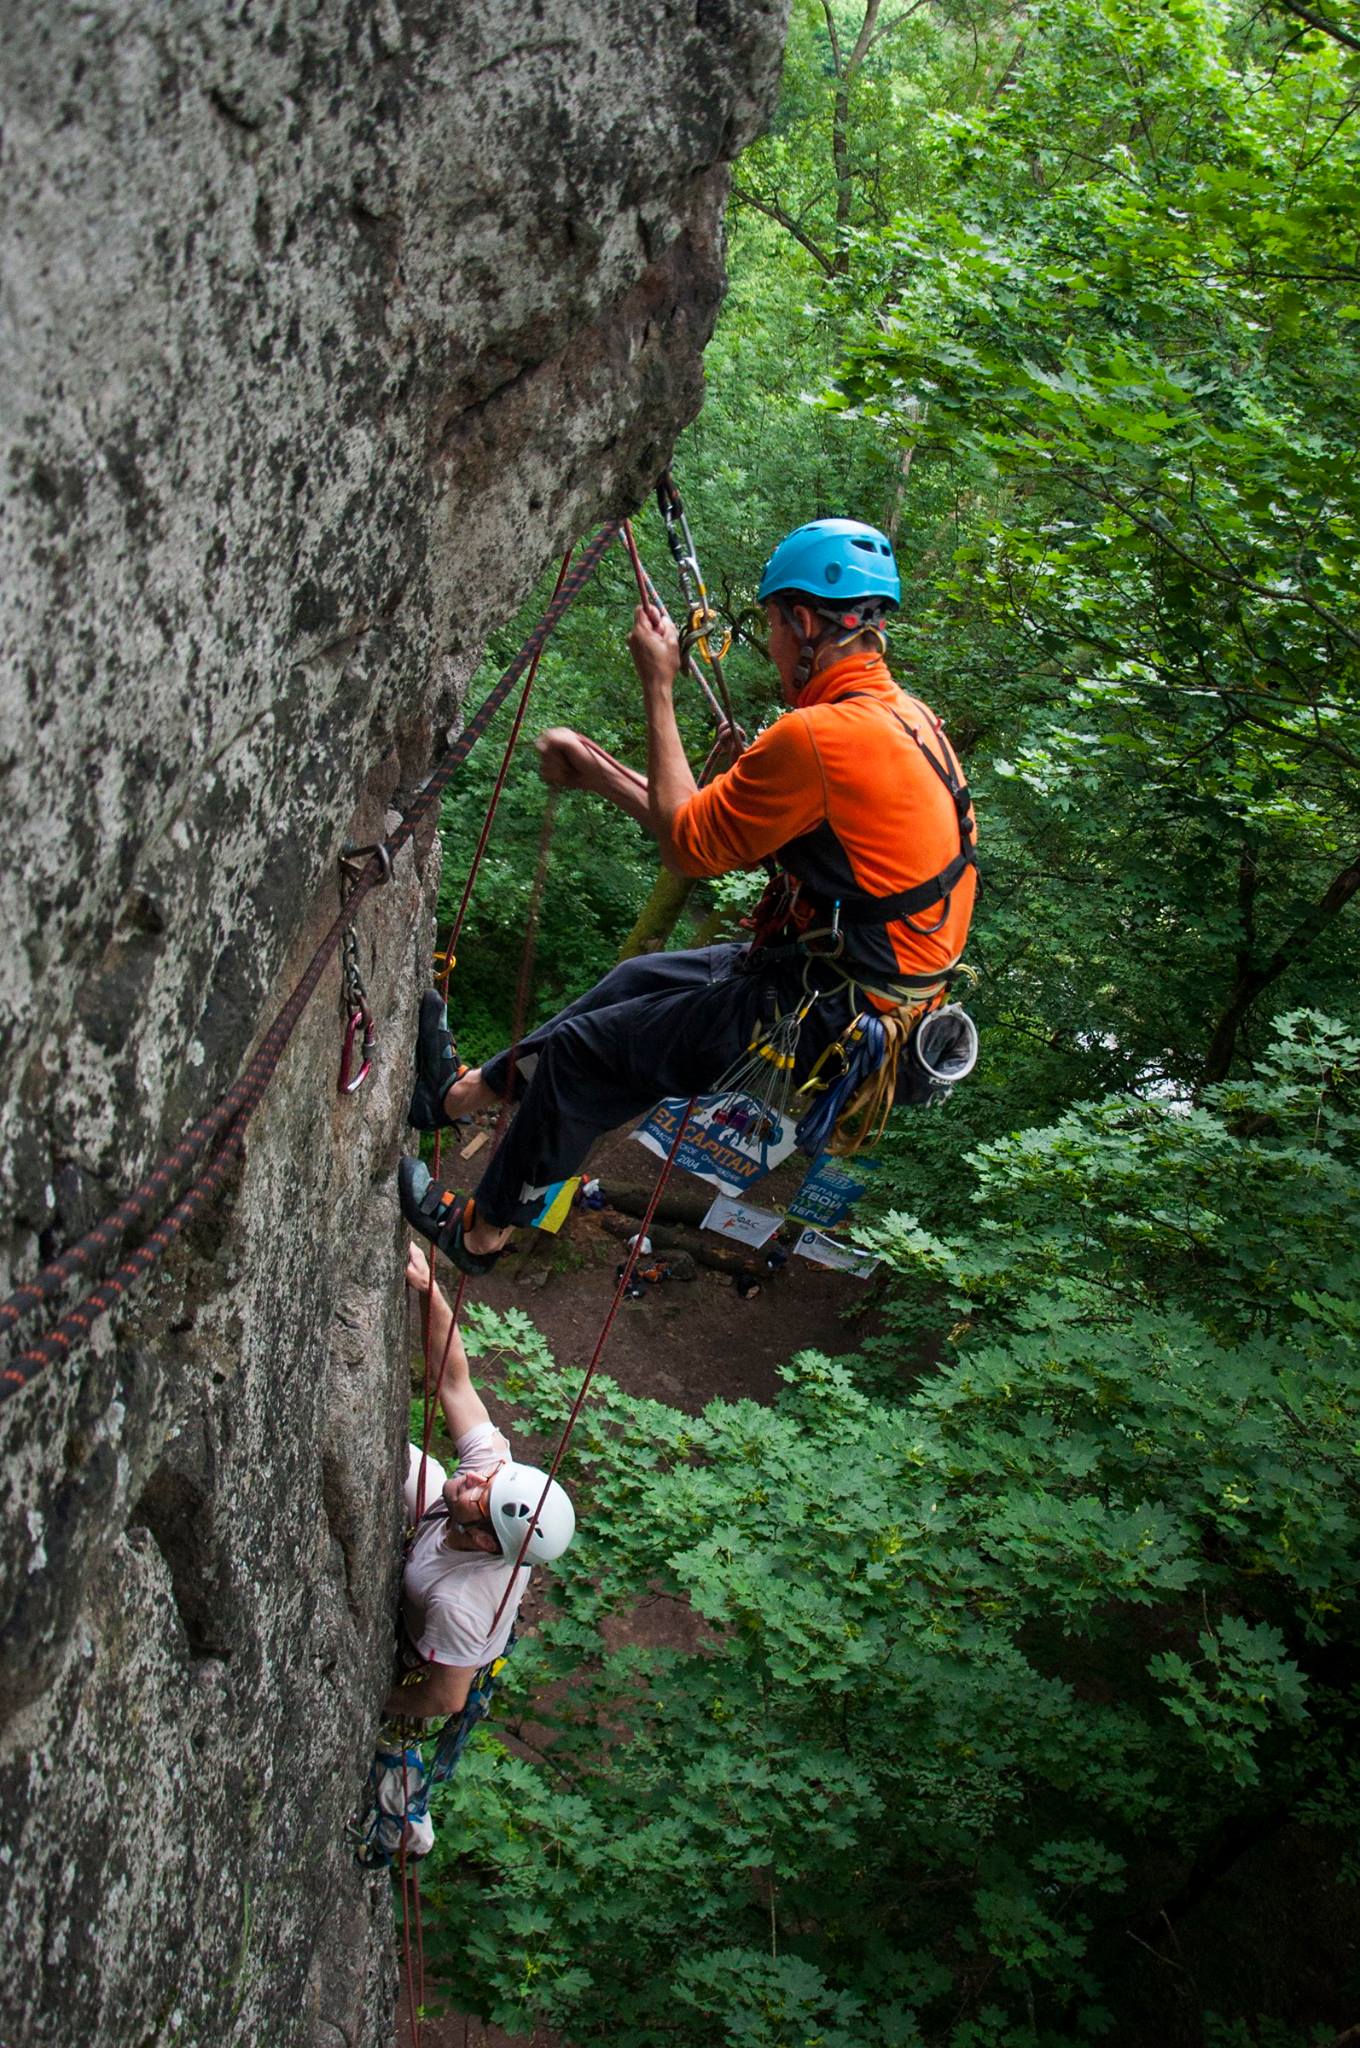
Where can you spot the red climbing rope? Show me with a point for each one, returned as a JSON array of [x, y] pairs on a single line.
[[451, 947], [413, 1953], [620, 1288], [729, 738], [647, 590], [491, 809], [434, 1382], [730, 734], [222, 1127]]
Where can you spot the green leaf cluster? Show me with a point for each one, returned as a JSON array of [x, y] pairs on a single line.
[[948, 1659]]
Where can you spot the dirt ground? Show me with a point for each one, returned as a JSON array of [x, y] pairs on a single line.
[[565, 1285]]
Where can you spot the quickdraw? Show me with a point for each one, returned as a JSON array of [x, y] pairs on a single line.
[[705, 633], [705, 628], [360, 1021]]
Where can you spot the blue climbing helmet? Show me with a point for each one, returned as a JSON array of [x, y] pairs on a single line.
[[837, 560]]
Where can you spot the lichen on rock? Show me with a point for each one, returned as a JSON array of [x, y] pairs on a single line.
[[325, 328]]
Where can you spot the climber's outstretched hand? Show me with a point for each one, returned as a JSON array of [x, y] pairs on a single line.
[[565, 760]]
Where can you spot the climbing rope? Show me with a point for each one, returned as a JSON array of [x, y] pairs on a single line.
[[434, 1378], [434, 1382], [455, 934], [222, 1128], [451, 946], [413, 1953], [620, 1289], [730, 734]]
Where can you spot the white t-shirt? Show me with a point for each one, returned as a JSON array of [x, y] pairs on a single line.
[[449, 1597]]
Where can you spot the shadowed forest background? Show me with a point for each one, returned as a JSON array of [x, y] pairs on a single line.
[[1024, 1712]]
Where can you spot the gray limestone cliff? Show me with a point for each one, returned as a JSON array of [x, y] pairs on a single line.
[[324, 327]]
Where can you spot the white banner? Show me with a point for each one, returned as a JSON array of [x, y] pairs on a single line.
[[739, 1220], [825, 1251]]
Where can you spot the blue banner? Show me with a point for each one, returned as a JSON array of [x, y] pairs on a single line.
[[831, 1189], [729, 1140]]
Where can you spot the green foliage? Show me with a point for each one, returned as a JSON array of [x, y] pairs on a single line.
[[1125, 316], [977, 1664], [963, 1651]]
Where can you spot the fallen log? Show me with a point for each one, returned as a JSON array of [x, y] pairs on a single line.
[[668, 1238], [677, 1205]]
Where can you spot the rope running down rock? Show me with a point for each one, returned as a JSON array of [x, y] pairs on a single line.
[[221, 1130]]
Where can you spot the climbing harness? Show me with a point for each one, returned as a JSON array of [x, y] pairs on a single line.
[[396, 1810], [904, 905], [399, 1778], [218, 1137], [869, 1068], [453, 1737], [856, 908]]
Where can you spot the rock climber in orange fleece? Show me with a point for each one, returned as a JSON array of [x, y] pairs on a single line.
[[855, 800]]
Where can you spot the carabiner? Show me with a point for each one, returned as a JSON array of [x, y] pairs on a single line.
[[704, 628], [350, 1083]]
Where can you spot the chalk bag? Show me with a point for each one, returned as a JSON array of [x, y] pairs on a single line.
[[941, 1051]]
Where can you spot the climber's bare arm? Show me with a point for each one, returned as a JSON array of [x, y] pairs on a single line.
[[568, 760], [463, 1406], [430, 1693]]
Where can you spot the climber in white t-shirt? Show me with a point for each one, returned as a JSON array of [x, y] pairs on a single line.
[[462, 1555]]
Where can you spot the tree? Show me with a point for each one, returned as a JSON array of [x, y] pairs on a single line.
[[967, 1653]]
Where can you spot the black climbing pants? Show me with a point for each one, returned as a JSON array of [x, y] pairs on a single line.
[[664, 1024]]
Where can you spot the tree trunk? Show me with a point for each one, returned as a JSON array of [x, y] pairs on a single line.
[[1254, 981], [659, 915]]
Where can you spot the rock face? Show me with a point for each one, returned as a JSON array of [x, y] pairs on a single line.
[[324, 326]]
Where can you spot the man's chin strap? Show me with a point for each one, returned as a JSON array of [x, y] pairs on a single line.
[[848, 625]]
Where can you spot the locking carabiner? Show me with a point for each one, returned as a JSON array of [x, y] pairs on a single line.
[[360, 1017]]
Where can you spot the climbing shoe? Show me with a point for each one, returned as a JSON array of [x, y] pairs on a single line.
[[441, 1216], [437, 1067]]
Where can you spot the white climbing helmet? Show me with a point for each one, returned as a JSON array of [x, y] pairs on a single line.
[[516, 1491]]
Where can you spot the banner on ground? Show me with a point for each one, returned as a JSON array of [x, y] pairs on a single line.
[[825, 1251], [739, 1220], [556, 1204], [831, 1190], [730, 1140]]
